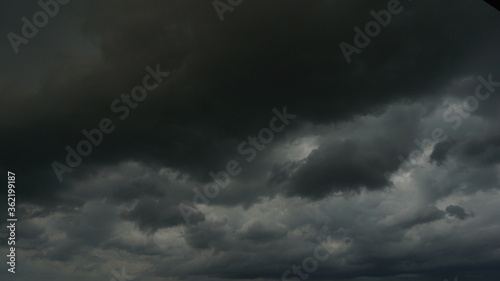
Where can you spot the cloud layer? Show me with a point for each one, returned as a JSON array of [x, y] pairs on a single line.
[[389, 163]]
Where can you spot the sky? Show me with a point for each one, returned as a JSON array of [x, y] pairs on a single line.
[[250, 140]]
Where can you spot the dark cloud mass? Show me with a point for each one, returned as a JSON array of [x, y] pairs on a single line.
[[388, 164], [457, 211]]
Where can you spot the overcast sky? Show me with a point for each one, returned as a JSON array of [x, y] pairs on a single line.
[[378, 153]]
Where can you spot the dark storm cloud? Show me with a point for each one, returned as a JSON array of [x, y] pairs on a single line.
[[470, 164], [406, 242], [150, 215], [204, 236], [260, 233], [150, 195], [441, 150], [362, 160], [345, 166], [236, 69], [354, 122], [485, 151], [62, 251], [457, 211], [88, 227], [420, 216], [482, 151]]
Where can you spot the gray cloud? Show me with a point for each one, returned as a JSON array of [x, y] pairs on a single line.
[[338, 170]]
